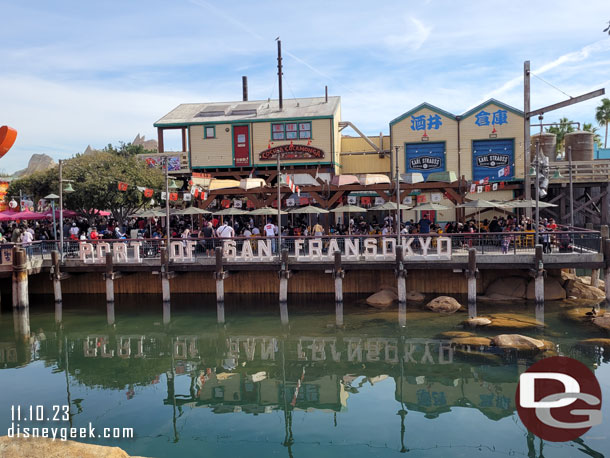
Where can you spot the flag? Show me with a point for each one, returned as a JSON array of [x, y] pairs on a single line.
[[148, 193], [309, 142], [140, 188], [494, 187], [507, 170], [479, 189], [163, 195], [293, 187], [501, 172], [482, 181], [421, 199], [501, 185], [487, 188], [187, 196], [473, 188], [195, 192], [122, 186], [486, 180], [173, 196]]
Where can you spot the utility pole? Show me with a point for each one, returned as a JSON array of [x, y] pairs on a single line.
[[61, 210], [526, 135], [279, 72], [397, 198], [279, 200]]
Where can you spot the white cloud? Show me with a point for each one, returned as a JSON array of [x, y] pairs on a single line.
[[414, 36]]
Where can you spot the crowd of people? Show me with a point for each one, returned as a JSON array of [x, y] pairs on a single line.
[[207, 230]]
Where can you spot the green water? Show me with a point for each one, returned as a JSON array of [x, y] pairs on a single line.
[[191, 387]]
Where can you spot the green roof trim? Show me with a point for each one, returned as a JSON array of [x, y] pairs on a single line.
[[421, 107], [491, 102], [239, 121]]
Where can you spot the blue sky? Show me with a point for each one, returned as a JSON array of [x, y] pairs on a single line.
[[74, 73]]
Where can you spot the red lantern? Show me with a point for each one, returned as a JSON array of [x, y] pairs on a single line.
[[122, 186], [421, 199], [225, 203], [148, 193], [487, 188], [173, 196]]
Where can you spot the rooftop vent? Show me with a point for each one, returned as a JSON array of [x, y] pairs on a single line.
[[213, 110], [244, 109]]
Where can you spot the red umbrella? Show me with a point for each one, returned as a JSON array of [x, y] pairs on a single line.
[[67, 213]]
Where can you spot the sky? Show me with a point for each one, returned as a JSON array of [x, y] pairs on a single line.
[[75, 73]]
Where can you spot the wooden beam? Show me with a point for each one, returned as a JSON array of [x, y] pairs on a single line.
[[565, 103], [335, 197]]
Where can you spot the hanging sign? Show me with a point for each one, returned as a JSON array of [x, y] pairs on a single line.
[[237, 203], [290, 202], [379, 201], [186, 197], [407, 200], [352, 200], [436, 197], [291, 151]]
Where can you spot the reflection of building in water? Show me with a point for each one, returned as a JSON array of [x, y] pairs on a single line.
[[490, 389], [230, 392]]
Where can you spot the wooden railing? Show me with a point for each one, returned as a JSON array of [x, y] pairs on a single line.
[[582, 171]]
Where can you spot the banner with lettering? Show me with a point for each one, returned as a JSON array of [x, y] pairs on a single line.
[[493, 159]]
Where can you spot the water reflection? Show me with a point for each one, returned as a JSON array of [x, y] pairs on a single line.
[[263, 367]]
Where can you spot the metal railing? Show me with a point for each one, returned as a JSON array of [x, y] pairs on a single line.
[[515, 243]]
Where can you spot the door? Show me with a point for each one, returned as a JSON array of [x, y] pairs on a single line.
[[430, 214], [493, 159], [425, 158], [241, 146]]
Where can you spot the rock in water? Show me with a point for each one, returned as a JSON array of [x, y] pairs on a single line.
[[582, 291], [18, 448], [382, 299], [507, 287], [478, 321], [553, 291], [472, 341], [415, 296], [444, 304], [602, 321], [518, 342], [513, 321]]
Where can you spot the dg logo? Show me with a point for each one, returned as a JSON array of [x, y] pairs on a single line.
[[559, 399]]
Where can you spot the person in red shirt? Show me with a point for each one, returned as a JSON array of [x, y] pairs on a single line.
[[94, 235]]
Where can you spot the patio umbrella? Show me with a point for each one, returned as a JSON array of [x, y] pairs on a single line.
[[192, 211], [344, 180], [251, 183], [430, 206], [67, 213], [266, 211], [348, 209], [411, 178], [444, 177], [525, 204], [28, 215], [389, 206], [309, 210], [478, 204], [231, 211]]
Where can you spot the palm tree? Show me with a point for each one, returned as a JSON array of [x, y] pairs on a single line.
[[564, 127], [602, 116], [588, 127]]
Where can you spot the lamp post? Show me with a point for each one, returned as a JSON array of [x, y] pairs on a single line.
[[61, 206], [52, 198]]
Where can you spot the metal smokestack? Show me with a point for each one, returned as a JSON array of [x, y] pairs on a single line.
[[326, 93], [244, 86]]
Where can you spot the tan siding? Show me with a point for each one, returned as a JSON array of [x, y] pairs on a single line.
[[469, 131], [370, 163], [320, 131], [447, 132], [211, 152], [337, 169]]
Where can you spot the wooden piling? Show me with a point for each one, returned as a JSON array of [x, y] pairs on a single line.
[[338, 274], [539, 276], [109, 276], [165, 276], [167, 313], [471, 273], [20, 279], [401, 277], [284, 275], [607, 267], [56, 275], [110, 313], [220, 276]]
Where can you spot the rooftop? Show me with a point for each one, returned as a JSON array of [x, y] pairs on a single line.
[[199, 113]]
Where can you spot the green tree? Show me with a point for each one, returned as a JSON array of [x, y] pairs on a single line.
[[602, 116], [588, 127], [95, 180], [127, 149], [560, 131]]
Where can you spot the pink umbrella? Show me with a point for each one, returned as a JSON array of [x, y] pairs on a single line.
[[67, 213], [27, 215], [343, 180], [100, 212]]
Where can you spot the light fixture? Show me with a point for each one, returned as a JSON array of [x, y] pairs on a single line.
[[68, 188], [557, 175], [51, 196], [532, 171], [173, 185]]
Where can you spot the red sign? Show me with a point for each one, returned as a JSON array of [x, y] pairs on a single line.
[[291, 151]]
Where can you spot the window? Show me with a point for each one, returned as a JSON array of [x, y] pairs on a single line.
[[209, 132], [291, 131]]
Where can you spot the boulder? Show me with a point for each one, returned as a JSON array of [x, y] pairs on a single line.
[[415, 296], [518, 342], [478, 321], [455, 334], [602, 321], [513, 287], [587, 281], [553, 291], [472, 341], [580, 314], [581, 291], [444, 304], [566, 276], [382, 299], [11, 447], [513, 321], [595, 342]]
